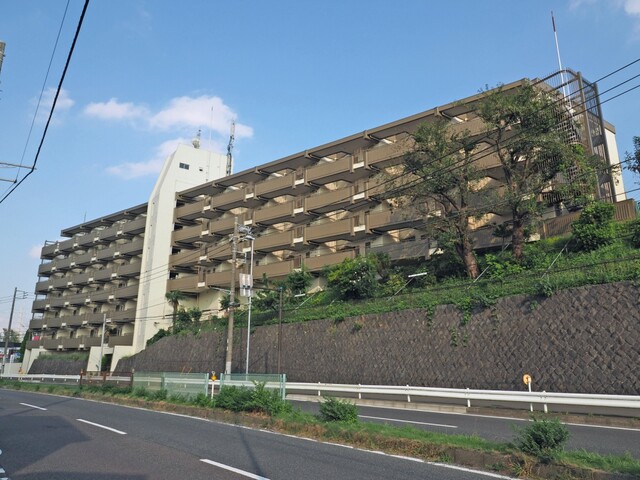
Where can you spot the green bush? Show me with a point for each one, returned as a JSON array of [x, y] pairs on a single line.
[[232, 398], [354, 278], [594, 228], [257, 399], [544, 438], [335, 410]]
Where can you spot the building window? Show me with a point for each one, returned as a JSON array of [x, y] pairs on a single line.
[[184, 165]]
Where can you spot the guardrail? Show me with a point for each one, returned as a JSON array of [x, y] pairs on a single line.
[[407, 393], [542, 398]]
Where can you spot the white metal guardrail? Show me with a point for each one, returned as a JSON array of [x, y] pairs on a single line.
[[575, 399], [408, 393]]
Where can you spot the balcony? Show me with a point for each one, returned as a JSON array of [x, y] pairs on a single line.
[[122, 340], [32, 344], [185, 258], [100, 296], [84, 259], [39, 305], [134, 227], [317, 264], [125, 293], [186, 234], [101, 276], [230, 199], [330, 231], [128, 270], [274, 241], [108, 234], [67, 246], [187, 284], [386, 155], [52, 343], [292, 211], [85, 240], [78, 342], [219, 226], [36, 324], [43, 287], [289, 184], [64, 264], [94, 318], [49, 251], [105, 254], [122, 316], [274, 270], [218, 279], [330, 200], [404, 250], [190, 211], [388, 220], [79, 279], [129, 249], [46, 269], [346, 169], [54, 323]]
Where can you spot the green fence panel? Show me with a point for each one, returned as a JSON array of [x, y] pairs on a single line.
[[187, 384]]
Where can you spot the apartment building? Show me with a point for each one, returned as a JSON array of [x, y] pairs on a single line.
[[311, 209], [102, 289], [325, 204]]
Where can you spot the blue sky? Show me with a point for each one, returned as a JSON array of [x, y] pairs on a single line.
[[293, 74]]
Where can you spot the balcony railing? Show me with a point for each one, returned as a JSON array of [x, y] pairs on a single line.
[[273, 270], [122, 340], [347, 168], [387, 220], [187, 284], [274, 241], [134, 227], [382, 155], [316, 264], [329, 231], [130, 248], [190, 211]]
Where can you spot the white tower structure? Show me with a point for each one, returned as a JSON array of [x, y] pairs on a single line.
[[185, 168]]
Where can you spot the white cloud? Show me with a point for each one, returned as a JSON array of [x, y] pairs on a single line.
[[632, 7], [131, 170], [200, 112], [114, 110], [182, 114], [35, 251], [64, 101]]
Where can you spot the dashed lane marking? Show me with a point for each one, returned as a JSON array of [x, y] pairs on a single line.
[[233, 469], [120, 432]]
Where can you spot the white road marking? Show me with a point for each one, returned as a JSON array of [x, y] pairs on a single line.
[[101, 426], [32, 406], [232, 469], [470, 470], [408, 421]]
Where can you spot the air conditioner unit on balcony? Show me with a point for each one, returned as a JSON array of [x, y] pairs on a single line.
[[87, 301]]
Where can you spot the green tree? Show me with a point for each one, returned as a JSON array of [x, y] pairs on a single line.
[[633, 159], [594, 228], [444, 187], [298, 281], [353, 278], [174, 297], [534, 140]]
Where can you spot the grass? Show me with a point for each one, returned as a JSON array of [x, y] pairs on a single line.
[[405, 440]]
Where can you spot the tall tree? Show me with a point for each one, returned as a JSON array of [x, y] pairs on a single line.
[[633, 159], [174, 297], [445, 186], [534, 137]]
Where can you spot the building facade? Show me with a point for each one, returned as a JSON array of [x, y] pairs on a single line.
[[309, 210], [102, 289]]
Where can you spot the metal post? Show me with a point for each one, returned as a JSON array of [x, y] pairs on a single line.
[[8, 335], [104, 325], [280, 334], [234, 255], [249, 313]]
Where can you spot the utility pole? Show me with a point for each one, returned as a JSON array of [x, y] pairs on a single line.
[[280, 333], [232, 298], [104, 326], [8, 335]]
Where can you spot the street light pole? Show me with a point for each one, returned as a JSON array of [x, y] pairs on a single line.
[[234, 255], [280, 333], [250, 298], [104, 326]]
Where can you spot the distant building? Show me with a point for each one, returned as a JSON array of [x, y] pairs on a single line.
[[310, 209]]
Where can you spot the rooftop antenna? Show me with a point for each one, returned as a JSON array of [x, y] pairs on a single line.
[[555, 34], [232, 137]]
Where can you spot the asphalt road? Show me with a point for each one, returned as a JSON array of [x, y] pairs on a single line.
[[599, 439], [49, 437]]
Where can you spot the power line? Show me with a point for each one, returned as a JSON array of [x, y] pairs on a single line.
[[53, 106]]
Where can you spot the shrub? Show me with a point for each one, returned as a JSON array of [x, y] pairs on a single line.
[[335, 410], [544, 438], [354, 278], [232, 398], [594, 228]]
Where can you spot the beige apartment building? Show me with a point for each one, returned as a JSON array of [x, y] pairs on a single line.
[[311, 209]]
